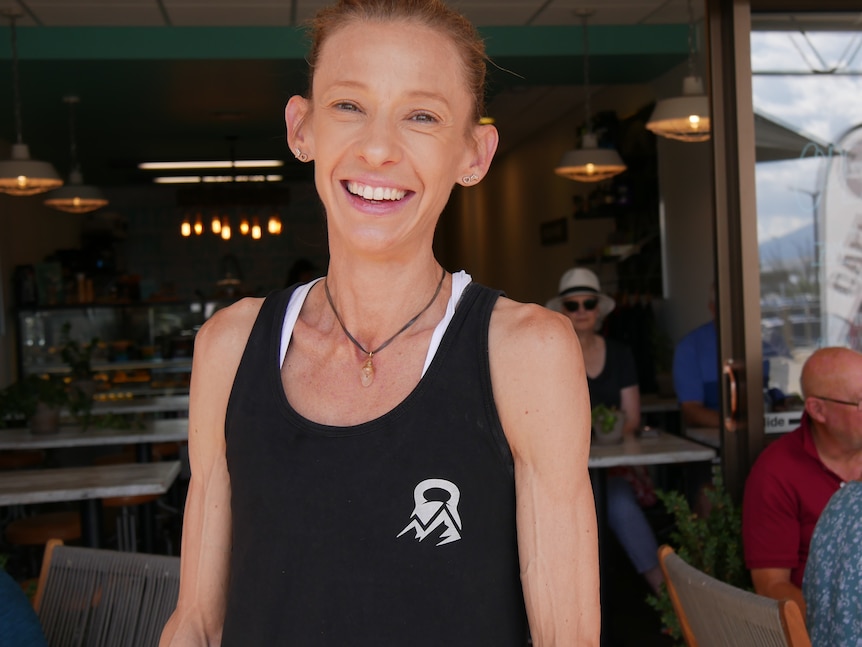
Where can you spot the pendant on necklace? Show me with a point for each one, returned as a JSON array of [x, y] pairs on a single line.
[[366, 376]]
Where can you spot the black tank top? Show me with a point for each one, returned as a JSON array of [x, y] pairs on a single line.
[[398, 531]]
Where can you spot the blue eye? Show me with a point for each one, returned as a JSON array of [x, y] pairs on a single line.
[[424, 117], [346, 106]]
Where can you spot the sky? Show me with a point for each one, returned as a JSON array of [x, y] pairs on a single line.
[[806, 98]]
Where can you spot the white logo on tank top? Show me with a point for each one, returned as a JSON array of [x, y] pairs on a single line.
[[436, 505]]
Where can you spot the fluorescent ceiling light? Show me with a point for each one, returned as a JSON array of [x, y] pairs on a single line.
[[175, 166], [178, 179], [215, 179]]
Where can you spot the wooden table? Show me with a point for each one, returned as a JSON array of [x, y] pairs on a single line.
[[660, 448], [88, 485]]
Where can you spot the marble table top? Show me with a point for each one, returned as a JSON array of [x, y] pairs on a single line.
[[661, 449], [706, 435], [155, 431], [92, 482]]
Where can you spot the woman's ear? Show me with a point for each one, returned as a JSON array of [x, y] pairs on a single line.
[[485, 140], [295, 113]]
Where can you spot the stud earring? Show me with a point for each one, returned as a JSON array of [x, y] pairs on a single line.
[[302, 157], [467, 179]]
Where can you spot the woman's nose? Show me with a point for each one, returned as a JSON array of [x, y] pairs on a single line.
[[380, 143]]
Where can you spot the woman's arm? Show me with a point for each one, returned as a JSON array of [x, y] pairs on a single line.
[[541, 393], [206, 543], [630, 404]]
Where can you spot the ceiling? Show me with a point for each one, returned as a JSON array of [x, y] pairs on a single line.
[[179, 79]]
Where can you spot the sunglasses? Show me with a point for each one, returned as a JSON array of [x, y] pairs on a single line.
[[574, 306]]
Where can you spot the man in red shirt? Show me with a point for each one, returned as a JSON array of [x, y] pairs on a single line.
[[794, 477]]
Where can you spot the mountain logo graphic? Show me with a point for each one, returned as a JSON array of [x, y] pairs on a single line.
[[436, 505]]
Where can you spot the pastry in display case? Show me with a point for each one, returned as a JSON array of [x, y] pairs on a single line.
[[132, 350]]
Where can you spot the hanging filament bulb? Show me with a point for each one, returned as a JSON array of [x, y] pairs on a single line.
[[255, 229], [225, 229], [244, 226], [186, 228], [216, 224], [273, 225], [199, 225]]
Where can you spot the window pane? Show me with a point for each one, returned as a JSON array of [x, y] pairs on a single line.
[[807, 84]]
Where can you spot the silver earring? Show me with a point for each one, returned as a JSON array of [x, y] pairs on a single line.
[[302, 157], [467, 179]]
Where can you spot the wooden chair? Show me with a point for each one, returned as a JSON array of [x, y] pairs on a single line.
[[94, 598], [712, 613]]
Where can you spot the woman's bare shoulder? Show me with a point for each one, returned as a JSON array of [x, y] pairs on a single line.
[[228, 325], [532, 326]]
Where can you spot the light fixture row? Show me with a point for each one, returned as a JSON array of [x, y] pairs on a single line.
[[221, 226]]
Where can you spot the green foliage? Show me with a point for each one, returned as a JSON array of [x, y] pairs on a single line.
[[604, 418], [77, 357], [712, 544], [20, 398]]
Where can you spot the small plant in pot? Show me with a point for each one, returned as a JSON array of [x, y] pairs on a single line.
[[78, 357], [607, 425], [36, 399]]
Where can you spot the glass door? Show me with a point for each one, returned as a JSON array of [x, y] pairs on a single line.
[[806, 87], [786, 79]]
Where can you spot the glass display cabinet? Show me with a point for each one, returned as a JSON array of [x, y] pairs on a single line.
[[139, 350]]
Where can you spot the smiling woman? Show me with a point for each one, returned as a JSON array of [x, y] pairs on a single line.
[[377, 455]]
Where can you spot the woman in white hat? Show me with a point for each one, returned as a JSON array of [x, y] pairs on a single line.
[[612, 380]]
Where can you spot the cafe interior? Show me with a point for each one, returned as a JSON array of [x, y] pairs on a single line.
[[159, 188]]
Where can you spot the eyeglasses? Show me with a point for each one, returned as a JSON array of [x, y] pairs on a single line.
[[574, 306], [858, 404]]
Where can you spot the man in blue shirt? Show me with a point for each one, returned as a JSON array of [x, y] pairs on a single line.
[[695, 373], [695, 376]]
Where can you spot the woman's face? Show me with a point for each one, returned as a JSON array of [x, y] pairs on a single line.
[[583, 311], [389, 129]]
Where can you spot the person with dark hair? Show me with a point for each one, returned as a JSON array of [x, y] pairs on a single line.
[[391, 454]]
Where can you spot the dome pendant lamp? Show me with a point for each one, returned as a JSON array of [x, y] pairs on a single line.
[[75, 197], [589, 163], [20, 175], [684, 118]]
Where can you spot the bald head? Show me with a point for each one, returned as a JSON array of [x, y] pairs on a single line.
[[833, 372]]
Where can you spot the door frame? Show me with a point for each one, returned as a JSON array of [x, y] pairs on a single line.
[[737, 271]]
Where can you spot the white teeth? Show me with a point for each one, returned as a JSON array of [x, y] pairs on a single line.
[[375, 193]]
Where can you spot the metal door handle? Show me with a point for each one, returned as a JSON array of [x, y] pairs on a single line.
[[730, 420]]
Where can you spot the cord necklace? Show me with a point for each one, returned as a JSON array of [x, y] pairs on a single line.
[[366, 375]]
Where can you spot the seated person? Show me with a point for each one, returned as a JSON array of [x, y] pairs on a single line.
[[612, 381], [19, 625], [794, 477], [695, 373], [832, 585]]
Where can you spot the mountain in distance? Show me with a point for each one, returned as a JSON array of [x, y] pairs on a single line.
[[790, 250]]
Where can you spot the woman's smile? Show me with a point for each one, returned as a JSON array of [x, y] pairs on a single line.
[[375, 193]]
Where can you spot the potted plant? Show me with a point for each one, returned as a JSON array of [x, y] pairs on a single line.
[[37, 399], [78, 357], [712, 544], [607, 425]]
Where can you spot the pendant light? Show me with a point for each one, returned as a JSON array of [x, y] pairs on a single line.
[[21, 175], [589, 163], [684, 118], [75, 197]]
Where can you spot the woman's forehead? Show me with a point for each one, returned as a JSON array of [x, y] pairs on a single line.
[[402, 43]]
